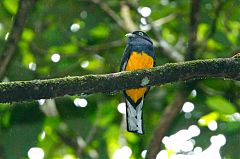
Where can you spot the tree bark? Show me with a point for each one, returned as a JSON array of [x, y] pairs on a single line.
[[168, 73]]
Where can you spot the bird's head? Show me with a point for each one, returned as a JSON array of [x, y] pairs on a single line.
[[138, 35]]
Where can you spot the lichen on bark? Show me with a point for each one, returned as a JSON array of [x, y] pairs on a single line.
[[168, 73]]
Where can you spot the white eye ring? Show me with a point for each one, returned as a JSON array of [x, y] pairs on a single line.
[[140, 33]]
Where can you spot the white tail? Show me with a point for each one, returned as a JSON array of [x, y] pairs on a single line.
[[134, 117]]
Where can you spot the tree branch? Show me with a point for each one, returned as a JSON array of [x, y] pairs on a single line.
[[159, 22], [126, 16], [212, 30], [219, 6], [169, 73], [111, 13], [194, 16], [15, 34]]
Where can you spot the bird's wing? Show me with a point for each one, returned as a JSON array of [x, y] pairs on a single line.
[[125, 57]]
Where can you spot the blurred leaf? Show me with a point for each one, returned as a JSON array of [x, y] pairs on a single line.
[[69, 48], [95, 65], [28, 34], [44, 70], [111, 137], [107, 112], [5, 119], [168, 35], [233, 34], [100, 31], [132, 138], [221, 105], [11, 5], [202, 30], [52, 122], [65, 49], [4, 106], [204, 120], [27, 56], [214, 45]]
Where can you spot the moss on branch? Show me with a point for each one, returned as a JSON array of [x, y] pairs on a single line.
[[168, 73]]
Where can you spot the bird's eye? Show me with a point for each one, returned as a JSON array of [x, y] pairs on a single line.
[[140, 33]]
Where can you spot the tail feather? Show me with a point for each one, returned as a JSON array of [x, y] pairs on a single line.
[[134, 117]]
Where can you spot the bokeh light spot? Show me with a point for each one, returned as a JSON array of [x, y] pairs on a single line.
[[218, 140], [85, 64], [68, 156], [197, 150], [6, 36], [188, 107], [35, 153], [32, 66], [122, 108], [164, 2], [163, 154], [80, 102], [74, 27], [55, 58], [202, 122], [212, 125], [43, 135], [41, 101], [144, 27], [194, 130], [1, 27], [123, 153], [145, 11], [143, 153], [187, 115], [187, 146], [194, 93], [143, 21], [83, 14]]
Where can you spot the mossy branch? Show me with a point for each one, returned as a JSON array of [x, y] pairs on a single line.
[[168, 73]]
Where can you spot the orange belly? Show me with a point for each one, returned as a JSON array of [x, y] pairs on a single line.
[[138, 61]]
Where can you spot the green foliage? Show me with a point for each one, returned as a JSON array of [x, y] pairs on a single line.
[[101, 31], [57, 126], [221, 105], [10, 6]]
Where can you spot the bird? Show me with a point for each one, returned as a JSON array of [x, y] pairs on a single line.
[[138, 54]]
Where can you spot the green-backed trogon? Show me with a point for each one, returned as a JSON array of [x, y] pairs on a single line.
[[138, 54]]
